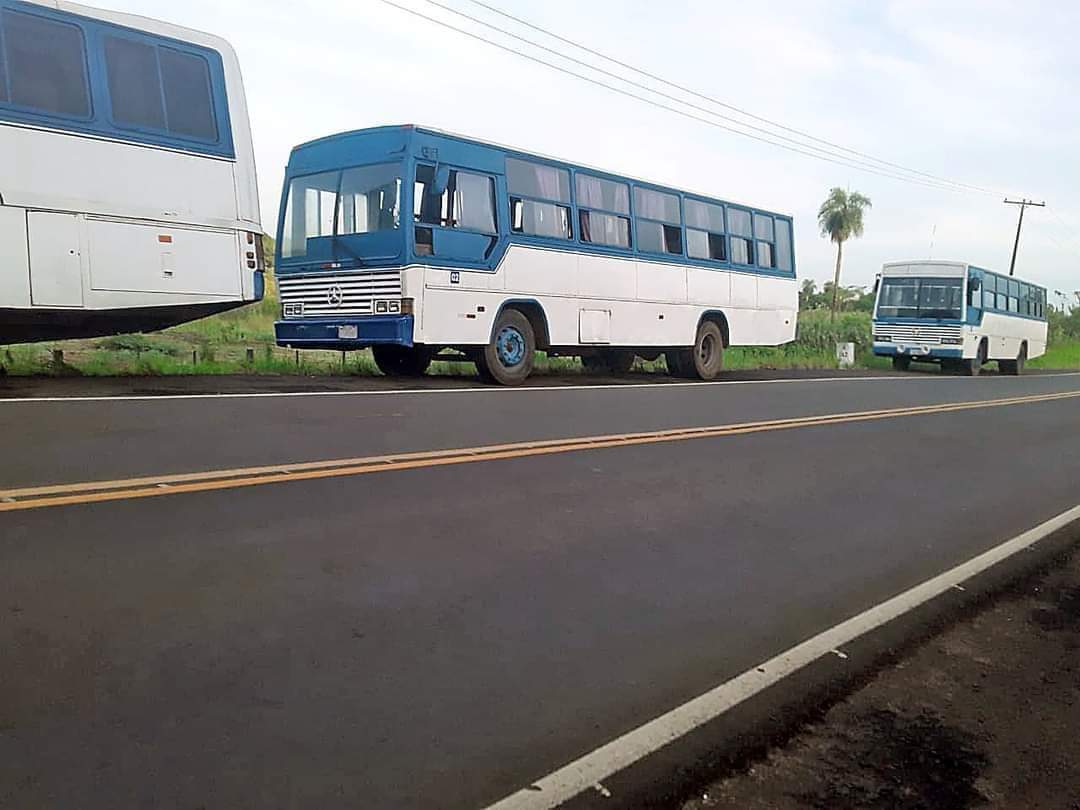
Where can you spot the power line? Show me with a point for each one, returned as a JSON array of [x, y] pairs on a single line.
[[853, 161], [724, 104], [1074, 233], [837, 161]]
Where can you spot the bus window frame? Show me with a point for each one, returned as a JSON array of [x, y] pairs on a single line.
[[99, 123]]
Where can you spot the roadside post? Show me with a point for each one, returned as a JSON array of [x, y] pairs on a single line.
[[845, 355]]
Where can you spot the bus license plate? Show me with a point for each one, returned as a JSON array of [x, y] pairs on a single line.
[[348, 332]]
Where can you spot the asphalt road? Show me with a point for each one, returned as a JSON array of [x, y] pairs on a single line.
[[441, 637]]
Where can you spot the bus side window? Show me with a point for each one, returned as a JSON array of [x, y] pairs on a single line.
[[46, 63], [459, 199]]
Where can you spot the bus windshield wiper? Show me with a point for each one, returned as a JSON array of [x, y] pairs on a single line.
[[336, 240]]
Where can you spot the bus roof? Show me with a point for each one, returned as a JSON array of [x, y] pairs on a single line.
[[414, 128], [141, 23], [942, 267]]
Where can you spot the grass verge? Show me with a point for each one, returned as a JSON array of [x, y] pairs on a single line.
[[242, 342]]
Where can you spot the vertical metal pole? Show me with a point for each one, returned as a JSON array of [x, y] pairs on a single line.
[[1016, 244]]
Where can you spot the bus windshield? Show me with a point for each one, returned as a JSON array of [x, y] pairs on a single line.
[[931, 298], [346, 202]]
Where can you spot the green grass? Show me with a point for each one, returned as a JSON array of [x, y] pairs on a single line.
[[221, 345], [1059, 356]]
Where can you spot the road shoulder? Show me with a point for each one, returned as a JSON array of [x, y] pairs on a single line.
[[984, 714]]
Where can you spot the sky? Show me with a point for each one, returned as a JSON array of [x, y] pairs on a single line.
[[976, 91]]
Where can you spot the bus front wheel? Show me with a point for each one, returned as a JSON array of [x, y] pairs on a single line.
[[509, 358], [973, 367], [402, 361]]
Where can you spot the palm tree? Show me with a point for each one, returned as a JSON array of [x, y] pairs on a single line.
[[841, 218]]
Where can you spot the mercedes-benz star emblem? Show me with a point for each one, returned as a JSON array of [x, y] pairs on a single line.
[[335, 295]]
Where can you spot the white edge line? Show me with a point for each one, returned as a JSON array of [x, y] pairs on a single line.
[[580, 775], [487, 390]]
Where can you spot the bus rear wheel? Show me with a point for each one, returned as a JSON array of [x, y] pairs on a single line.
[[901, 363], [1015, 367], [677, 361], [402, 361], [707, 356], [509, 358]]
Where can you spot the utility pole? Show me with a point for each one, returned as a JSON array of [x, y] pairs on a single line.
[[1016, 245]]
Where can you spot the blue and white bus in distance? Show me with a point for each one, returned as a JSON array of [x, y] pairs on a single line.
[[413, 242], [959, 316], [128, 199]]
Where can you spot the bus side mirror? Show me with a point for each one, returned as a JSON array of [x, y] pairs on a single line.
[[974, 284], [442, 181], [877, 284]]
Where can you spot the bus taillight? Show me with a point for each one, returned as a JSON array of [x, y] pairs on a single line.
[[256, 259]]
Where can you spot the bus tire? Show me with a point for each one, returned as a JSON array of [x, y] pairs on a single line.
[[402, 361], [707, 358], [678, 360], [973, 367], [508, 359], [1014, 368], [901, 363]]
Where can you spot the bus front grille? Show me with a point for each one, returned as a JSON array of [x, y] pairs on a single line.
[[343, 294], [910, 333]]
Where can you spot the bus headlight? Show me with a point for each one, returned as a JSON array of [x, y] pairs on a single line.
[[952, 341], [882, 339]]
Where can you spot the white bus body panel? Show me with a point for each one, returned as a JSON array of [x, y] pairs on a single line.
[[131, 257], [646, 303], [1005, 335], [14, 257], [55, 259]]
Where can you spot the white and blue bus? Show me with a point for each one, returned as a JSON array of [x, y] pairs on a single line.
[[128, 199], [413, 242], [958, 316]]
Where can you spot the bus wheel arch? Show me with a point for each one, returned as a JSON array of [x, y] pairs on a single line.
[[720, 319], [537, 319]]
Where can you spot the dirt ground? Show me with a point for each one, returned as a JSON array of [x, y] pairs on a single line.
[[985, 715]]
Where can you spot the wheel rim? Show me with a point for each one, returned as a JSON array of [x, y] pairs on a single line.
[[707, 350], [510, 346]]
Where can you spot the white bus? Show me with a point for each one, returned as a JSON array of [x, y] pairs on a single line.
[[958, 316], [412, 241], [128, 199]]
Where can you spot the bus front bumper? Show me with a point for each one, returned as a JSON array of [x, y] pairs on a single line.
[[917, 352], [342, 334]]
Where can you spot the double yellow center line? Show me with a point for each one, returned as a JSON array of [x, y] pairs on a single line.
[[87, 492]]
